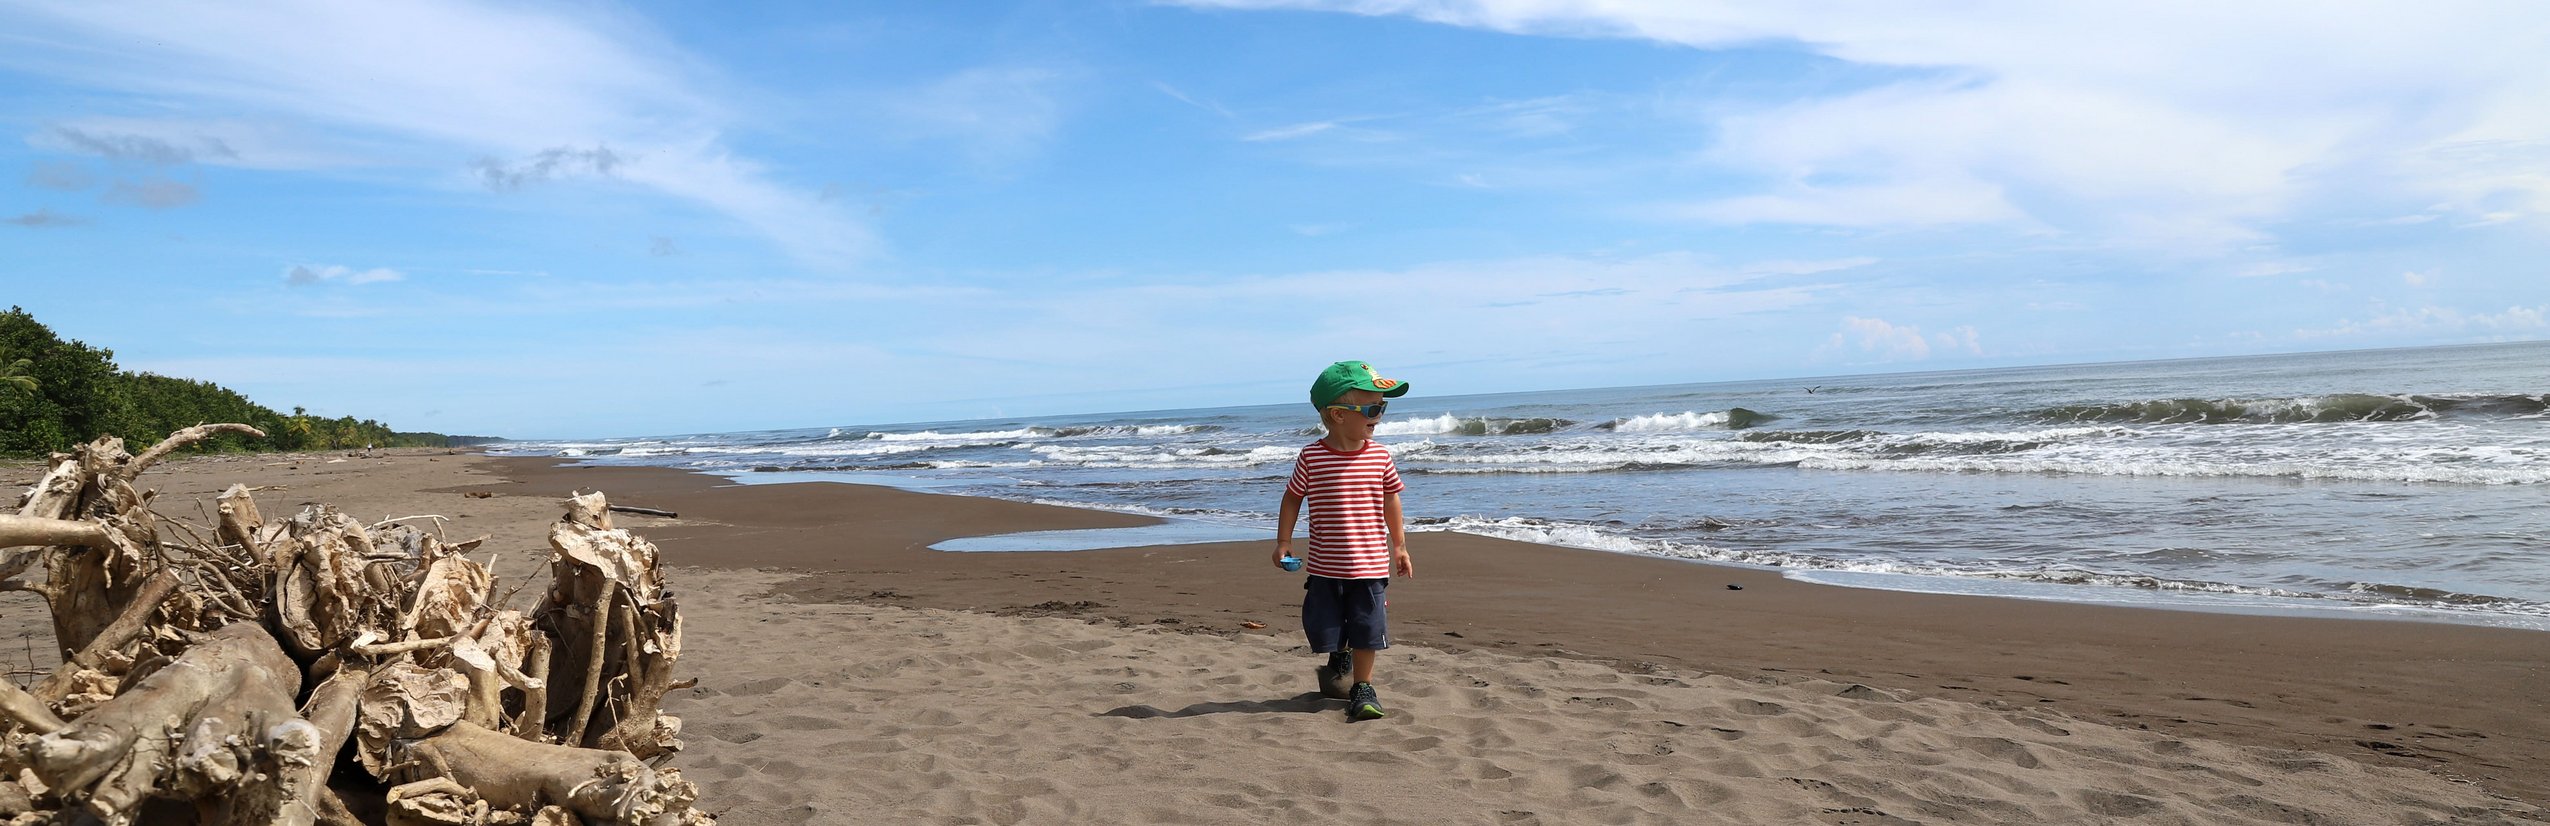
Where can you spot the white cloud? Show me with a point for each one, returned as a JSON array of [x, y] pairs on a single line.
[[1962, 339], [1509, 320], [2417, 279], [2434, 322], [1627, 314], [1907, 204], [2518, 318], [1796, 267], [2177, 126], [417, 80], [2500, 176], [304, 275], [1892, 342], [2267, 268], [1900, 342], [1286, 133], [998, 115], [1182, 97], [1534, 118]]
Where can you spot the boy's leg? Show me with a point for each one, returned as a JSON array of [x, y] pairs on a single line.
[[1323, 623], [1365, 608], [1336, 676], [1324, 627], [1368, 631]]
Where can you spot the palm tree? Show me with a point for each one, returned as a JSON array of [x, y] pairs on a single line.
[[15, 375], [299, 426]]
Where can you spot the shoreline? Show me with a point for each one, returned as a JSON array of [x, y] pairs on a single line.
[[2462, 700], [2124, 590], [1191, 531]]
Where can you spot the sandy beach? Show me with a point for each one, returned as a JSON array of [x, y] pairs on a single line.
[[849, 674]]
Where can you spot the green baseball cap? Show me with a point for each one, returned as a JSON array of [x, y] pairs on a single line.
[[1352, 375]]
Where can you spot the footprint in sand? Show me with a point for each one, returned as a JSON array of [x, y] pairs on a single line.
[[1594, 777], [2043, 727], [2003, 749], [736, 733], [2112, 804], [762, 686]]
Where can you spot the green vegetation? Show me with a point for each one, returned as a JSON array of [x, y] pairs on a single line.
[[14, 376], [55, 393]]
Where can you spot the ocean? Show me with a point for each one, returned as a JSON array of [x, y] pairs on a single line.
[[2403, 484]]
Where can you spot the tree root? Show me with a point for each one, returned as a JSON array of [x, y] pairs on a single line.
[[185, 650], [37, 530], [228, 700], [598, 784], [181, 439]]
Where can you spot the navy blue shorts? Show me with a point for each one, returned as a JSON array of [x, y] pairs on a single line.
[[1342, 613]]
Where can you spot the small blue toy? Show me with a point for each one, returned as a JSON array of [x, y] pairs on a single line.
[[1290, 563]]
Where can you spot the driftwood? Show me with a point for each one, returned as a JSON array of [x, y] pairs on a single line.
[[320, 670]]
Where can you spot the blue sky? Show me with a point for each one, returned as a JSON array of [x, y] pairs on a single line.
[[591, 219]]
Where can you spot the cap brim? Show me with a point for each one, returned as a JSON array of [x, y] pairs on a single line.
[[1395, 390]]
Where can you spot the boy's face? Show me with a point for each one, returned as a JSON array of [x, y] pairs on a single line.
[[1348, 424]]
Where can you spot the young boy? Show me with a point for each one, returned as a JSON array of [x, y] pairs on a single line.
[[1357, 538]]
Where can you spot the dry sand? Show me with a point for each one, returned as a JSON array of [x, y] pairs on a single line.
[[841, 682]]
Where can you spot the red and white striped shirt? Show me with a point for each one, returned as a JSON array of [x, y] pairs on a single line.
[[1342, 493]]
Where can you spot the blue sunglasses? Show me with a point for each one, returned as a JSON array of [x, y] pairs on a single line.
[[1370, 411]]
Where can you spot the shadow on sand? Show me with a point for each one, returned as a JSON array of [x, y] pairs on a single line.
[[1305, 703]]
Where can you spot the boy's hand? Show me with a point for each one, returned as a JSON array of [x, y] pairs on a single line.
[[1400, 564], [1281, 550]]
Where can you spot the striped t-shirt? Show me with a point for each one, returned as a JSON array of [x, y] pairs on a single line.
[[1342, 493]]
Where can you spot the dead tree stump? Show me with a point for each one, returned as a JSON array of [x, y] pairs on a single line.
[[228, 671]]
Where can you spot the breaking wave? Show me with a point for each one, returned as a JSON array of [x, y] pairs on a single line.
[[1143, 431], [1153, 457], [1451, 425], [2110, 450], [2342, 407], [1733, 418], [1550, 532]]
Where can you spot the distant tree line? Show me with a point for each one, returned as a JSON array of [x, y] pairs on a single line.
[[56, 393]]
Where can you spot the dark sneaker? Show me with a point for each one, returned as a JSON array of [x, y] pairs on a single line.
[[1365, 704], [1336, 679]]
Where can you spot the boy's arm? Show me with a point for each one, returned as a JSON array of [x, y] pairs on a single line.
[[1287, 512], [1400, 564]]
